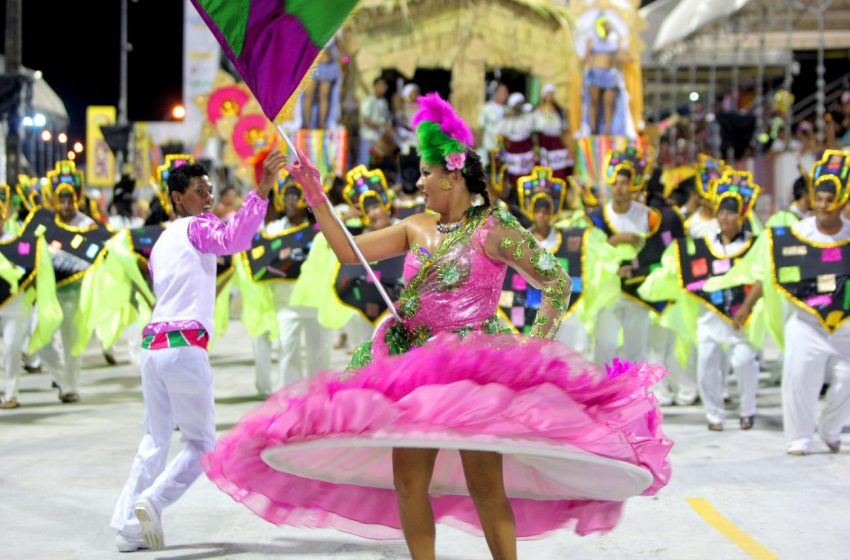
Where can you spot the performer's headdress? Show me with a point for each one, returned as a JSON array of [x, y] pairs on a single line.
[[735, 191], [630, 161], [286, 185], [365, 187], [172, 162], [708, 169], [584, 189], [498, 169], [444, 138], [34, 192], [541, 188], [831, 173], [63, 178]]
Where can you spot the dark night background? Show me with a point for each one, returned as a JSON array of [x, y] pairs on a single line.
[[76, 46]]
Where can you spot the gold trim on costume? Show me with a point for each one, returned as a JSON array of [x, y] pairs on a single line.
[[799, 303]]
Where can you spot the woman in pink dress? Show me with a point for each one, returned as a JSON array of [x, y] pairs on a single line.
[[445, 417]]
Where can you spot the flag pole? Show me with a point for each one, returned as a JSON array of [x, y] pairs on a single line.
[[380, 287]]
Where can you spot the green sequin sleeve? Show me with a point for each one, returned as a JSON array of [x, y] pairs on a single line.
[[510, 243]]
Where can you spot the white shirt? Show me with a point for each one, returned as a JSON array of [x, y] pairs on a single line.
[[377, 110], [123, 222], [808, 229], [488, 121], [79, 220], [794, 209], [550, 240], [549, 123], [634, 220], [516, 127], [174, 260], [699, 227]]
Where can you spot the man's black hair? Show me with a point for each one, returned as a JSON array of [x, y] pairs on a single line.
[[179, 179]]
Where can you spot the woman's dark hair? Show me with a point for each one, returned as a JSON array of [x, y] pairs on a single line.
[[474, 176], [179, 178]]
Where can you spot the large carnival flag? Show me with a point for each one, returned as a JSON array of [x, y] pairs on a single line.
[[274, 43]]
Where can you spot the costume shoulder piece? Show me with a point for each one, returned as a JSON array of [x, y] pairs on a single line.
[[280, 256], [698, 263], [814, 276], [519, 301], [75, 251], [354, 288], [22, 251]]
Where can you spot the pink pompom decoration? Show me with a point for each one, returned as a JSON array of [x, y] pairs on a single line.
[[436, 109], [455, 161]]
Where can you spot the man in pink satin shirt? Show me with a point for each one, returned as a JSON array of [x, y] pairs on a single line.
[[177, 382]]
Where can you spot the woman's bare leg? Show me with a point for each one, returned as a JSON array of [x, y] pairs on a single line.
[[609, 98], [483, 471], [412, 470], [594, 109]]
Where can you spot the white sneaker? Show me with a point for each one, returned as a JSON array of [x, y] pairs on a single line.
[[798, 449], [127, 544], [151, 525], [685, 397]]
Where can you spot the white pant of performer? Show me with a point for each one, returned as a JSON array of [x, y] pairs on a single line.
[[633, 318], [177, 385], [809, 352], [573, 334], [712, 334], [679, 386], [299, 332], [65, 368], [14, 320]]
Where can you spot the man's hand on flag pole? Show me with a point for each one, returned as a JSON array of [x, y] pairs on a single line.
[[272, 166]]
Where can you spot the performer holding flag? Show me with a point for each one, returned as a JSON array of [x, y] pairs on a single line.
[[513, 436]]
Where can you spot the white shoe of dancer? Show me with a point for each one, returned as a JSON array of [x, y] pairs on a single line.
[[127, 544], [151, 524]]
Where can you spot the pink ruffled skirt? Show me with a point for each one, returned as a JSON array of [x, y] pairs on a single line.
[[576, 440]]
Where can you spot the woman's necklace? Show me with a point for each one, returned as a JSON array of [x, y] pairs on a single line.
[[448, 228]]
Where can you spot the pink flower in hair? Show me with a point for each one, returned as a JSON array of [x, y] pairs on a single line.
[[455, 161]]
